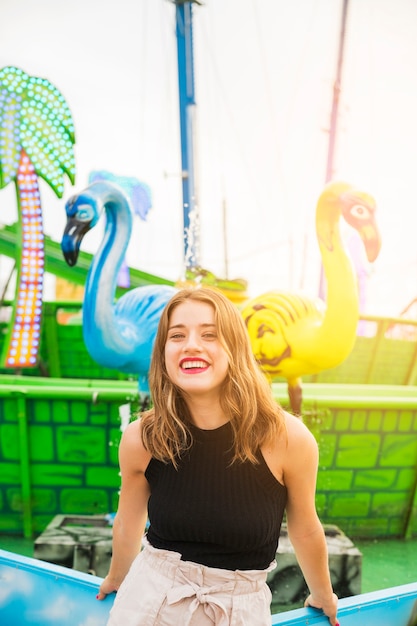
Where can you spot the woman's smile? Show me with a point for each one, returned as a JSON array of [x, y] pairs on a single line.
[[193, 366]]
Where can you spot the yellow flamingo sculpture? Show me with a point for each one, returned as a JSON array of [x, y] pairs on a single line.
[[293, 335]]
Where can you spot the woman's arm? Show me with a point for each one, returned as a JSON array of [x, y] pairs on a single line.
[[305, 530], [130, 520]]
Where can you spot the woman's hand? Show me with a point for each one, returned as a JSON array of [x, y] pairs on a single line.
[[329, 608], [107, 586]]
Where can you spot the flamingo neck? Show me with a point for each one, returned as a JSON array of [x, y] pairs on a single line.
[[102, 278], [342, 291]]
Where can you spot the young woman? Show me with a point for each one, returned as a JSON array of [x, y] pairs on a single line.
[[214, 465]]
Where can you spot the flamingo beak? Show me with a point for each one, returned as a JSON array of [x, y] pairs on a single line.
[[372, 240], [74, 232]]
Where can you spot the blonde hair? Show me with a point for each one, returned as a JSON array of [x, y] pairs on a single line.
[[246, 398]]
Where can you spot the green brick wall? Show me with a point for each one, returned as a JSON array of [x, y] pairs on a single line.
[[57, 455], [368, 467], [59, 443]]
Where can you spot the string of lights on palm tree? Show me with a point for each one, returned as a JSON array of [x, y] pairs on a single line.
[[36, 140]]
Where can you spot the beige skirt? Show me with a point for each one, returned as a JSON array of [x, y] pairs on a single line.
[[162, 590]]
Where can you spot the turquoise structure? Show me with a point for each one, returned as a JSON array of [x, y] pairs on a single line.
[[41, 594]]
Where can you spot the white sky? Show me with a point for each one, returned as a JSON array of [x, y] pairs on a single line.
[[264, 72]]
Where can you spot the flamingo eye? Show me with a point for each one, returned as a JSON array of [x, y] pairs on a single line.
[[360, 211], [83, 212]]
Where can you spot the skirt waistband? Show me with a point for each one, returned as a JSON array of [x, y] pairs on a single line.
[[238, 581]]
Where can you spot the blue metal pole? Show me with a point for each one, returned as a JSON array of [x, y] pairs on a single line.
[[184, 32]]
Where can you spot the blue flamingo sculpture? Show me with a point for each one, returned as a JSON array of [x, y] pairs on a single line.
[[119, 335]]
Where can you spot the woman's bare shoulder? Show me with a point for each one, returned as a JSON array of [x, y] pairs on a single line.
[[131, 448], [297, 432]]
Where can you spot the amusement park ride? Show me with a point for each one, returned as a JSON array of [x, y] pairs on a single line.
[[292, 338]]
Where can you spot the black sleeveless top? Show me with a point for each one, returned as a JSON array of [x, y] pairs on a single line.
[[213, 513]]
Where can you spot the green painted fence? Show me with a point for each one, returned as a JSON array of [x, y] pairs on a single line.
[[385, 351], [59, 441], [63, 353]]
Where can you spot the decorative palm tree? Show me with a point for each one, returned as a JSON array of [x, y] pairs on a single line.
[[36, 139]]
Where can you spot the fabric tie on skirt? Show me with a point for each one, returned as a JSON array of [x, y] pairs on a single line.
[[212, 606]]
